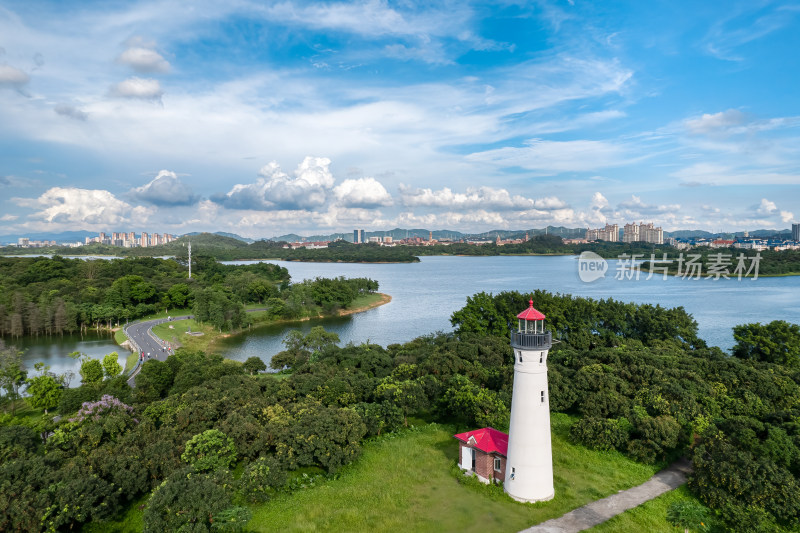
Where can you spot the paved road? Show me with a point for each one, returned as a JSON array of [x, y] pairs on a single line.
[[144, 339], [598, 512]]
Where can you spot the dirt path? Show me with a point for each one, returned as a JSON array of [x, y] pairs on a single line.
[[598, 512]]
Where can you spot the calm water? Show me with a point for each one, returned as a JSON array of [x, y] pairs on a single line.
[[425, 294], [53, 351]]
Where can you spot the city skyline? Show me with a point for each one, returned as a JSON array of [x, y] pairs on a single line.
[[305, 117]]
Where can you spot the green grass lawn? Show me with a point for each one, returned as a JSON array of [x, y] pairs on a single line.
[[366, 300], [405, 483], [650, 516], [119, 336], [177, 334], [130, 362]]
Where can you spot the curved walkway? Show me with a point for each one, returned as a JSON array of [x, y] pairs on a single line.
[[598, 512]]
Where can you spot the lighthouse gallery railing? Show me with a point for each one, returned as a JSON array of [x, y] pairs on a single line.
[[531, 340]]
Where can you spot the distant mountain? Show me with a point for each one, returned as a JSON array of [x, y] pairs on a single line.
[[224, 234], [439, 234], [689, 234]]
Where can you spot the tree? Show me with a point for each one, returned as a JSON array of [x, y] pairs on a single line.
[[776, 342], [689, 515], [44, 389], [91, 371], [254, 365], [12, 374], [209, 451], [111, 366], [187, 501]]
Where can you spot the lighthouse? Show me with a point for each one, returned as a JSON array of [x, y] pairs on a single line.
[[529, 464]]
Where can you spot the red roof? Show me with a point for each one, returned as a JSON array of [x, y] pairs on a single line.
[[531, 314], [487, 440]]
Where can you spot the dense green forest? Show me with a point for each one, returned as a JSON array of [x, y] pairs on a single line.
[[210, 436], [52, 296]]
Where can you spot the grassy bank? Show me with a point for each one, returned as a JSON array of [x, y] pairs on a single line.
[[404, 483], [176, 331], [650, 516]]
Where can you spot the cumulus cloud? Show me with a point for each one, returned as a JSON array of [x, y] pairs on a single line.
[[70, 205], [165, 189], [12, 76], [486, 197], [766, 207], [144, 60], [362, 192], [308, 188], [71, 112], [786, 216], [599, 201], [142, 88]]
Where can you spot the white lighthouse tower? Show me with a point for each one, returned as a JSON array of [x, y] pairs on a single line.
[[529, 464]]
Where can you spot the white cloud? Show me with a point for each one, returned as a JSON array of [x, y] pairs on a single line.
[[766, 207], [362, 192], [486, 197], [717, 123], [144, 60], [276, 190], [165, 189], [786, 216], [144, 88], [81, 207], [12, 76], [8, 218], [599, 201]]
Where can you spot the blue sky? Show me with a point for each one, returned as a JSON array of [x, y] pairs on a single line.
[[263, 118]]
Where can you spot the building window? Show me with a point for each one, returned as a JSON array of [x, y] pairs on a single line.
[[496, 464], [542, 396]]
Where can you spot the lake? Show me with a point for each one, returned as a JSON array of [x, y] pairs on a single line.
[[53, 351], [425, 294]]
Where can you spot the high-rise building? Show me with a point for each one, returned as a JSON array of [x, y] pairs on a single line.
[[145, 242], [630, 233], [529, 463], [358, 236], [610, 233], [796, 232]]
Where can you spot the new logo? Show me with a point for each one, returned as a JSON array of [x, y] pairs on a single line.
[[591, 267]]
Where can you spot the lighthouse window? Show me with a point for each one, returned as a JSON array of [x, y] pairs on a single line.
[[541, 357], [520, 356], [513, 472], [542, 396]]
